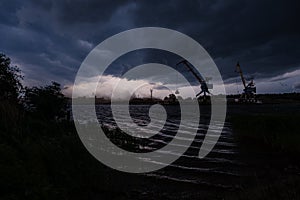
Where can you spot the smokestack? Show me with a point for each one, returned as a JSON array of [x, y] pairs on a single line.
[[151, 91]]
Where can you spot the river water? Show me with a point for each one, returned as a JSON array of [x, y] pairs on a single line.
[[226, 168]]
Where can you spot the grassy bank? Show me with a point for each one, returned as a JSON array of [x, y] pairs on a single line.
[[285, 189], [43, 159], [276, 135], [276, 132]]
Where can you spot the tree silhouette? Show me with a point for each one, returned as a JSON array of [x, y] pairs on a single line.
[[10, 80], [46, 102]]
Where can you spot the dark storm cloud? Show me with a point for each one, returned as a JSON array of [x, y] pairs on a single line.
[[297, 86], [49, 39], [262, 35], [78, 11]]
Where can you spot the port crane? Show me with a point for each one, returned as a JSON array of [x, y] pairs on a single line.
[[249, 90], [203, 85]]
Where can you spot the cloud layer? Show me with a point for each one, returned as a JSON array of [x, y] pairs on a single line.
[[48, 40]]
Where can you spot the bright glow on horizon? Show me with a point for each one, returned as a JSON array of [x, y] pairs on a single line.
[[281, 83]]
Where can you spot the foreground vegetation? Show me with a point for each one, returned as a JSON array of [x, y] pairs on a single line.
[[41, 154], [277, 132], [43, 159], [276, 135]]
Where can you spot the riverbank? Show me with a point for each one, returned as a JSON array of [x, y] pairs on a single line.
[[270, 141], [43, 159], [278, 132]]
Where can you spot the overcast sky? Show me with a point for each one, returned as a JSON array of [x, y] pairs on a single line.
[[49, 39]]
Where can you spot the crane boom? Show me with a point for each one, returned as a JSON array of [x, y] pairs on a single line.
[[191, 69], [239, 70], [204, 86]]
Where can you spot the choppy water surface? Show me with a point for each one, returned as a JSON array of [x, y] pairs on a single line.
[[226, 167]]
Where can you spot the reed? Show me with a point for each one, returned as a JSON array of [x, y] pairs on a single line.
[[278, 132]]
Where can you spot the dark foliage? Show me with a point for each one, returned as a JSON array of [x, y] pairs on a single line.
[[46, 102], [10, 80]]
